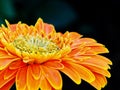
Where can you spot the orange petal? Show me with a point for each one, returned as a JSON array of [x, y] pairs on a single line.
[[39, 25], [94, 44], [20, 28], [44, 84], [65, 50], [26, 88], [35, 71], [11, 27], [4, 62], [8, 85], [74, 51], [55, 89], [87, 40], [97, 49], [48, 28], [3, 52], [75, 43], [78, 43], [4, 81], [103, 59], [80, 58], [17, 64], [53, 76], [1, 45], [74, 35], [71, 73], [97, 62], [99, 82], [84, 73], [54, 64], [98, 70], [12, 50], [21, 78], [32, 84], [9, 73]]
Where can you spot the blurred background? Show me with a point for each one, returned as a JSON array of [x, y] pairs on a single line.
[[95, 19]]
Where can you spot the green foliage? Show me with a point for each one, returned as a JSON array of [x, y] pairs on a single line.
[[57, 12]]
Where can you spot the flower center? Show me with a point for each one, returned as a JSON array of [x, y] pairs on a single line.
[[35, 44]]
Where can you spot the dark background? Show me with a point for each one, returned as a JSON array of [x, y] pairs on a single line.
[[96, 19]]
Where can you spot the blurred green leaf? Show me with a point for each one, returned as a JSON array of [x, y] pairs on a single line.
[[6, 9], [57, 12]]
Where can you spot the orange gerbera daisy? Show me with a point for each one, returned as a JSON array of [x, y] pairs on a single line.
[[32, 57]]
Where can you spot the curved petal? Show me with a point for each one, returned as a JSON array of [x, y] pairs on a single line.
[[39, 25], [74, 52], [1, 45], [96, 50], [84, 73], [17, 64], [9, 73], [71, 73], [98, 70], [3, 52], [53, 76], [48, 28], [103, 59], [32, 84], [44, 84], [65, 50], [74, 35], [96, 61], [8, 85], [11, 27], [26, 88], [99, 82], [87, 40], [12, 50], [54, 64], [93, 44], [21, 78], [4, 62], [21, 29], [5, 81], [35, 71]]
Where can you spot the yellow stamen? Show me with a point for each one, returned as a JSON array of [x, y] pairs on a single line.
[[35, 44], [38, 46]]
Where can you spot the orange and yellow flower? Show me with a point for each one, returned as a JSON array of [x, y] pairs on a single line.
[[32, 57]]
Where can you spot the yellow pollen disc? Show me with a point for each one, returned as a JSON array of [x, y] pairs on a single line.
[[35, 44]]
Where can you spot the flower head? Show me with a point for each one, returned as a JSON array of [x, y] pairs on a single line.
[[32, 57]]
